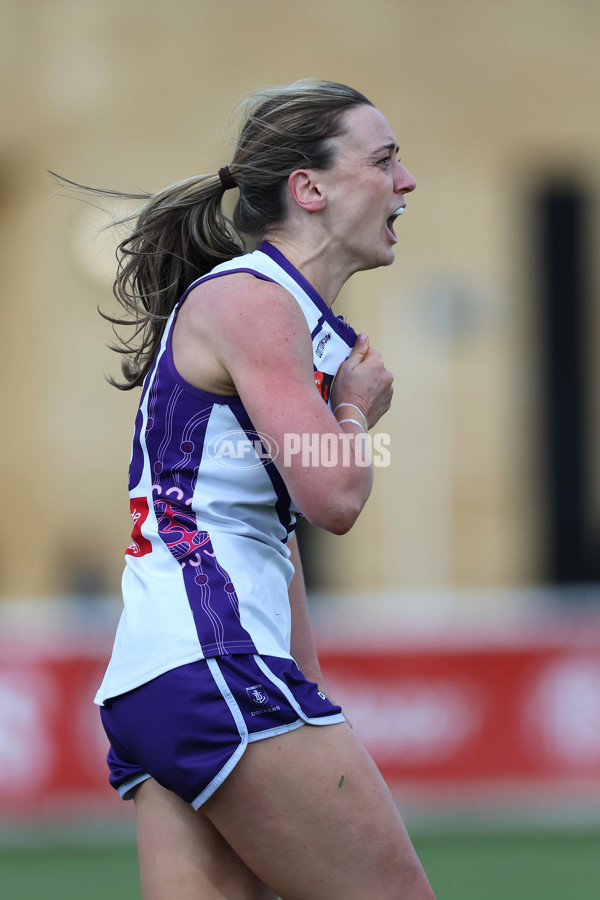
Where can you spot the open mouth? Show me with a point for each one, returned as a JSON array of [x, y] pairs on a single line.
[[392, 219]]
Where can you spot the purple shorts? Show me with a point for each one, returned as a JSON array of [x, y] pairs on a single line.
[[189, 727]]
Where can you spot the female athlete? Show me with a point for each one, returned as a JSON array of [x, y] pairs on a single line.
[[247, 781]]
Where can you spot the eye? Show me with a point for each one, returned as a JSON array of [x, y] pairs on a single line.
[[386, 160]]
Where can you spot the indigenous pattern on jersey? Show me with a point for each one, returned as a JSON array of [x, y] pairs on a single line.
[[207, 571]]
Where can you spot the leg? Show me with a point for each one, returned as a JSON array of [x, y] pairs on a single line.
[[183, 856], [311, 836]]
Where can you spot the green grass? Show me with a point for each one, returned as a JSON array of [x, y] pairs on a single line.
[[69, 873], [513, 866], [488, 866]]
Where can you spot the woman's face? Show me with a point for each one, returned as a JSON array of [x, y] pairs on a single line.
[[363, 190]]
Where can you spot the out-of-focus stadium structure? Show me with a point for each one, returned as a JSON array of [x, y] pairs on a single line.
[[472, 578]]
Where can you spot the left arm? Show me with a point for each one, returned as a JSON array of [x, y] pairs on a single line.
[[303, 647], [302, 642]]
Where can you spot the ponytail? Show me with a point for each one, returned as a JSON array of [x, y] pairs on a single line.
[[181, 233]]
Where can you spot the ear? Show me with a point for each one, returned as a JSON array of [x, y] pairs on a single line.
[[305, 189]]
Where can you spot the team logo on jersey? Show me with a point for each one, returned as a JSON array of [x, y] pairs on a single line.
[[257, 694], [323, 382], [139, 545]]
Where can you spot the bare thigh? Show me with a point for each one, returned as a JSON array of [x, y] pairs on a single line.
[[182, 855], [309, 812]]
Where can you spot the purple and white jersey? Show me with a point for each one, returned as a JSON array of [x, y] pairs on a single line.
[[207, 571]]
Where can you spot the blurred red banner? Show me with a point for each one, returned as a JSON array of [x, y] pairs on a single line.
[[530, 712], [428, 715]]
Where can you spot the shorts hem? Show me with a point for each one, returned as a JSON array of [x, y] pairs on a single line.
[[232, 683], [337, 719], [254, 738], [318, 720], [127, 786], [221, 776], [233, 760], [273, 732]]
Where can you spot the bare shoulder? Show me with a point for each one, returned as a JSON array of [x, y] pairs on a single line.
[[240, 314], [235, 323], [234, 301]]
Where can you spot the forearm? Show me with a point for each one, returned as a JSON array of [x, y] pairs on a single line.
[[302, 641]]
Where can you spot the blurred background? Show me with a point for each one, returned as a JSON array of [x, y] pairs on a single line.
[[459, 620]]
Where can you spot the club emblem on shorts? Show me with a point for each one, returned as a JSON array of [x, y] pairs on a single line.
[[257, 694]]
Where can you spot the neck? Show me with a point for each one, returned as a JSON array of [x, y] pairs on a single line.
[[316, 263]]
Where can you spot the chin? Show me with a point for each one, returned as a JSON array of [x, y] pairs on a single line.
[[385, 257]]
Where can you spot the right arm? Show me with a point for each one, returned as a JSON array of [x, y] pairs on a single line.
[[250, 337]]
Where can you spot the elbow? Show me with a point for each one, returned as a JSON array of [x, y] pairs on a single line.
[[336, 518], [340, 526], [335, 506]]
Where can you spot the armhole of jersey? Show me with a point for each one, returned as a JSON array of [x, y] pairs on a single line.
[[211, 275], [227, 399]]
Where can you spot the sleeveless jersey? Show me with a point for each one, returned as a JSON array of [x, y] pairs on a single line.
[[207, 571]]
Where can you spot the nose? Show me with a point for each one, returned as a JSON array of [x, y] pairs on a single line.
[[404, 183]]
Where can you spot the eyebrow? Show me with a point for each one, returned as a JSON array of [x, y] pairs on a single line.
[[391, 146]]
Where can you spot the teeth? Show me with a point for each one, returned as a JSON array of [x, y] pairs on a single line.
[[399, 211]]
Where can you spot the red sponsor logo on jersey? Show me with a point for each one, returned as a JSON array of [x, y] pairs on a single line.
[[323, 383], [139, 545]]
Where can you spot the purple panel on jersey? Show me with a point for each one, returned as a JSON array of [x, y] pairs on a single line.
[[175, 432], [178, 416], [136, 466]]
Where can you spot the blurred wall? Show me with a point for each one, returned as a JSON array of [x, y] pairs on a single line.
[[488, 100]]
